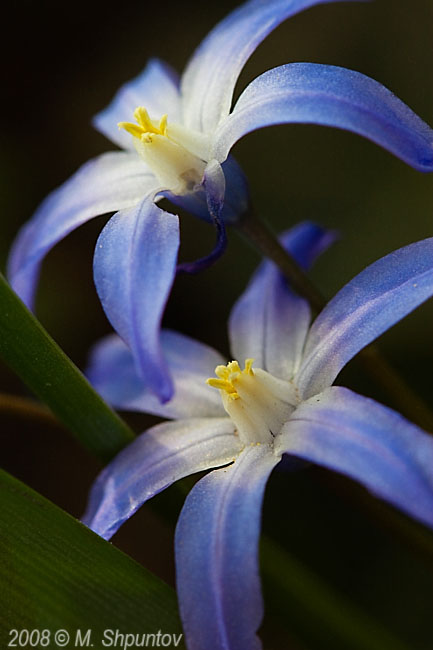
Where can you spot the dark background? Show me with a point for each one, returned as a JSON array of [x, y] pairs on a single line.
[[62, 63]]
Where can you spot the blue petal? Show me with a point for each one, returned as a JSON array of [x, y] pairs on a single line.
[[134, 268], [237, 193], [367, 306], [211, 258], [236, 198], [156, 88], [156, 459], [330, 96], [113, 373], [269, 322], [210, 77], [217, 570], [214, 185], [369, 443], [108, 183]]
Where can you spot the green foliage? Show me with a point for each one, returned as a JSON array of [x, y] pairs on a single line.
[[30, 351], [57, 574]]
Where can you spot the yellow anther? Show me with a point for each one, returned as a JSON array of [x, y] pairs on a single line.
[[163, 125], [142, 117], [222, 384], [224, 372], [233, 368], [145, 128], [133, 129], [228, 375]]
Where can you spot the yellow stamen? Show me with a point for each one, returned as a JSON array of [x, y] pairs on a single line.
[[163, 125], [161, 146], [145, 127], [248, 367], [228, 375]]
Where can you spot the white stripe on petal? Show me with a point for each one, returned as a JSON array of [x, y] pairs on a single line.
[[156, 459]]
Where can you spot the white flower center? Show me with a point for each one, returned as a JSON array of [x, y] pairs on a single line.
[[177, 156], [257, 402]]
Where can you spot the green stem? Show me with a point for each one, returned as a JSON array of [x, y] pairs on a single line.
[[370, 358], [28, 409], [263, 239]]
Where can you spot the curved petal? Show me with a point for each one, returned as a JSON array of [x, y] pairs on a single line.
[[236, 198], [237, 192], [217, 569], [367, 306], [369, 443], [214, 183], [209, 79], [330, 96], [205, 262], [156, 88], [156, 459], [108, 183], [269, 322], [113, 373], [134, 268]]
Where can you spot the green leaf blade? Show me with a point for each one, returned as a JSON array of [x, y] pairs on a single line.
[[57, 574], [30, 351]]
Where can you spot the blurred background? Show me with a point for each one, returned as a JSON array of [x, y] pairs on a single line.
[[61, 65]]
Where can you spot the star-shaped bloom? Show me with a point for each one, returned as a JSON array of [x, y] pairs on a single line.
[[175, 137], [282, 403]]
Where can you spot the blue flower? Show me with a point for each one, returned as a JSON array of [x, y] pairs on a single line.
[[178, 146], [282, 403]]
